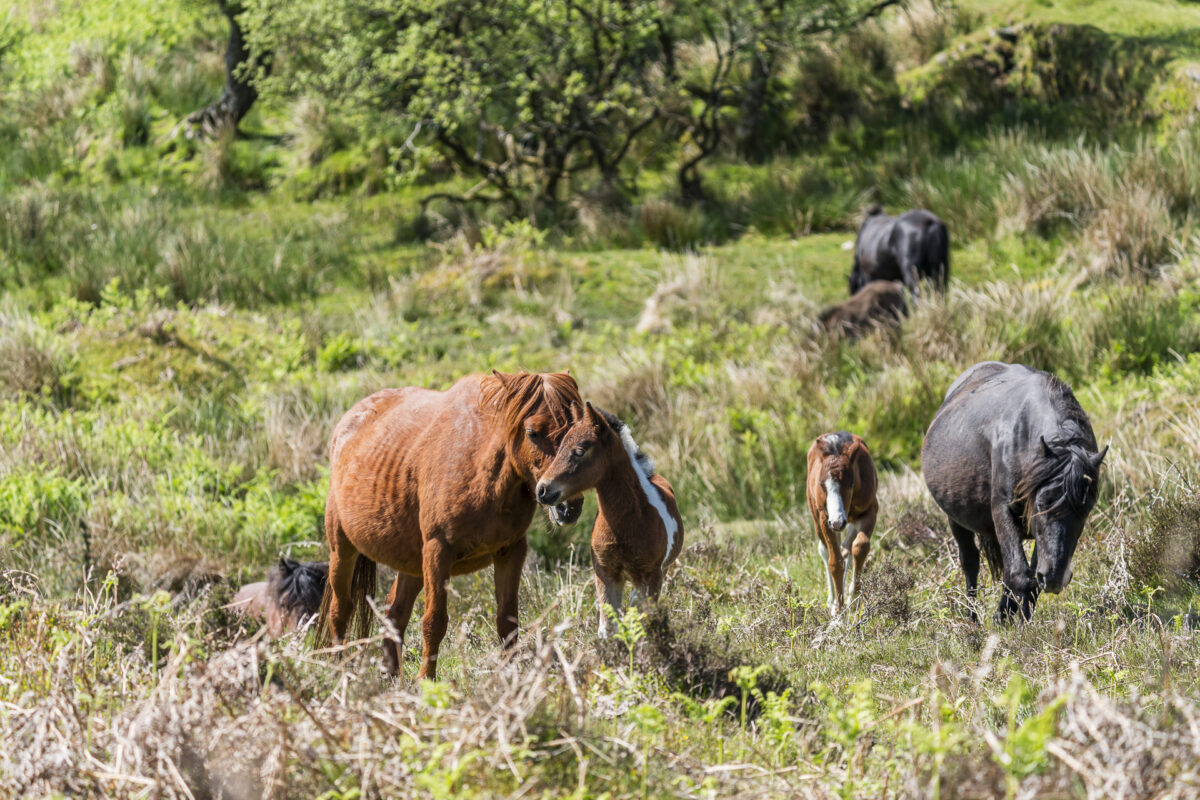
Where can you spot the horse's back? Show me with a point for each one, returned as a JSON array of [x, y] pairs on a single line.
[[919, 219], [992, 414], [381, 408], [377, 453]]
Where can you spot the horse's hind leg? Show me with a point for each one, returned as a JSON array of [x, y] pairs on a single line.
[[968, 559], [400, 602], [342, 557], [508, 564]]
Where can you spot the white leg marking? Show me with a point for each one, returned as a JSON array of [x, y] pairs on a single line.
[[833, 504], [824, 551], [612, 598]]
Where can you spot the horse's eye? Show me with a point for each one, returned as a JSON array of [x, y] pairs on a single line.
[[532, 434], [580, 452]]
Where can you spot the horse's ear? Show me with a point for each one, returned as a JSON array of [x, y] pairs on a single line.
[[1099, 457], [1045, 448], [595, 417]]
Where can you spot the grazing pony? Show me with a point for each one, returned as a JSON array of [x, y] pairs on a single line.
[[841, 496], [878, 304], [639, 531], [906, 248], [288, 598], [435, 484], [1011, 456]]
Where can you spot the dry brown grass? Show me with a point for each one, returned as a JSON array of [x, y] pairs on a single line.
[[35, 363]]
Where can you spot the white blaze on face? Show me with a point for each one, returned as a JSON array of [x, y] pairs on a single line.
[[833, 503]]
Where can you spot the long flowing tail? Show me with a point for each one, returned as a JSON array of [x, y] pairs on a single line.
[[362, 586]]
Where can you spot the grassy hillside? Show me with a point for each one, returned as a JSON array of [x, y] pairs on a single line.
[[183, 322]]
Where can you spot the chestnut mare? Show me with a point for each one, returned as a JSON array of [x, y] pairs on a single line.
[[638, 532], [841, 495], [435, 484]]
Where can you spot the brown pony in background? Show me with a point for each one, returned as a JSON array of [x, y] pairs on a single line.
[[435, 484], [638, 532], [841, 495]]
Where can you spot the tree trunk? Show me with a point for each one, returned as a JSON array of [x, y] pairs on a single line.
[[691, 185], [239, 95], [751, 139]]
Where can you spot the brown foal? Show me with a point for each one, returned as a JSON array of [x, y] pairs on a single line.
[[638, 531], [435, 484], [841, 496]]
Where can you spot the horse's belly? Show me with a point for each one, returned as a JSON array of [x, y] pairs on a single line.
[[386, 537], [958, 478]]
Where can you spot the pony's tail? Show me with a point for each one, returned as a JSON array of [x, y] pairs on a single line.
[[937, 253], [362, 587]]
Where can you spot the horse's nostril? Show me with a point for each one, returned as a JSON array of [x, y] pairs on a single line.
[[546, 495]]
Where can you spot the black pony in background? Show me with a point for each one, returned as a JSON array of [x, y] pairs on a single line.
[[906, 248], [288, 598], [1011, 456]]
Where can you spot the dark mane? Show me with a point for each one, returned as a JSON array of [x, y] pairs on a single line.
[[833, 444], [297, 588], [644, 462], [513, 397], [1068, 470]]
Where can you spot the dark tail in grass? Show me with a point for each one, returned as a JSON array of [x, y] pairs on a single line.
[[362, 586], [937, 254]]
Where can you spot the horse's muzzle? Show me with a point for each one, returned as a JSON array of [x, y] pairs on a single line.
[[1053, 584], [547, 493], [837, 524], [567, 512]]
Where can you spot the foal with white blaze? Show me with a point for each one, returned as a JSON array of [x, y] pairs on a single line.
[[841, 496], [638, 532]]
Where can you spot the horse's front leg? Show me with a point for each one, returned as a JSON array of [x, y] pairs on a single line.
[[609, 592], [508, 564], [856, 547], [436, 560], [1019, 579], [835, 569]]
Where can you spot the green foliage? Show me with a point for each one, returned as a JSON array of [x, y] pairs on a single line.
[[1023, 750], [562, 87]]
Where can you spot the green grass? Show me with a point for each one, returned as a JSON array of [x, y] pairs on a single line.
[[182, 326]]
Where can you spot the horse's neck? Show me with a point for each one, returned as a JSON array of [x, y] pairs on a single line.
[[620, 496], [498, 469]]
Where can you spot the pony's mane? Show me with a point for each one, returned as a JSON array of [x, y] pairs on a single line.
[[835, 444], [298, 588], [644, 463], [1069, 468], [513, 397]]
